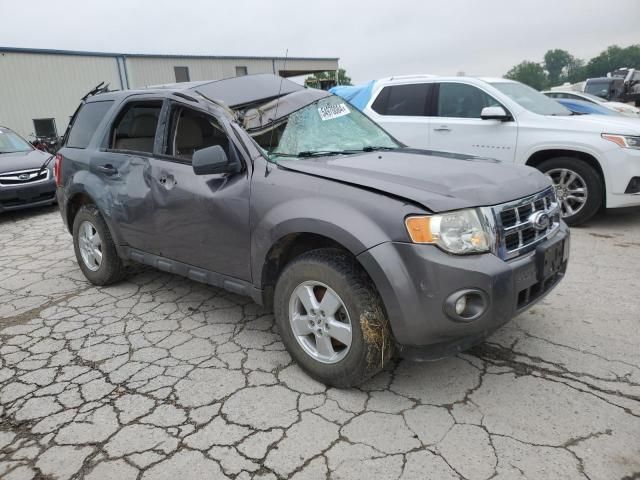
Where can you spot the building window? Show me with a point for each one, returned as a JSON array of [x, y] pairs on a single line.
[[182, 74], [241, 71], [45, 127]]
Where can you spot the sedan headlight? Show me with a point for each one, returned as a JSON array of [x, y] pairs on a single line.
[[456, 232], [625, 141]]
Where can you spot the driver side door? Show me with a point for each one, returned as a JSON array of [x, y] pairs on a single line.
[[200, 220]]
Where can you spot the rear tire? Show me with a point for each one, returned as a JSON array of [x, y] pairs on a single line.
[[571, 176], [336, 277], [95, 250]]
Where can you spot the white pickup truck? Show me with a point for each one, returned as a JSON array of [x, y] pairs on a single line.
[[594, 161]]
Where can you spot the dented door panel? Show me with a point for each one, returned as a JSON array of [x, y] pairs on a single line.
[[201, 220], [127, 189]]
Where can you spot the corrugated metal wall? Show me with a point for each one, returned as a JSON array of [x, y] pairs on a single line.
[[50, 85], [145, 71]]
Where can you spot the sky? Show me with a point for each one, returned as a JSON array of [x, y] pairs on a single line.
[[373, 39]]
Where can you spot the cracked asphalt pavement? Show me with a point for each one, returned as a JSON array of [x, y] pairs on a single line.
[[160, 377]]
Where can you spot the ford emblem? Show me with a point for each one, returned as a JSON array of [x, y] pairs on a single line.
[[24, 176], [540, 220]]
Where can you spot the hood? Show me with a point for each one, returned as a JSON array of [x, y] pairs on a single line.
[[595, 123], [11, 162], [438, 181]]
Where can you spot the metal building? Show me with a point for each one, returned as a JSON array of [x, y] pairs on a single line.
[[40, 89]]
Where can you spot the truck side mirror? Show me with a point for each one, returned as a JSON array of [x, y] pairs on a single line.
[[494, 113], [211, 160]]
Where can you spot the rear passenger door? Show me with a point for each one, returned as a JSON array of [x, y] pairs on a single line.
[[401, 110], [457, 127], [200, 220], [123, 164]]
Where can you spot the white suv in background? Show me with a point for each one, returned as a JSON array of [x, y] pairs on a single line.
[[594, 161]]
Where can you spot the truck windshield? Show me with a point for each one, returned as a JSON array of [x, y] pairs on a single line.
[[11, 142], [328, 126], [600, 89], [531, 99]]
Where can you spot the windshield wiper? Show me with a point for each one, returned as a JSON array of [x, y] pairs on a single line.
[[327, 153], [44, 165], [309, 153], [377, 149], [323, 153]]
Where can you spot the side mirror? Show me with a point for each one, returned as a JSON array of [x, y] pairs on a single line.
[[494, 113], [212, 160]]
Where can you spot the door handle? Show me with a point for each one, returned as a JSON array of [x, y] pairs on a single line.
[[442, 128], [107, 169]]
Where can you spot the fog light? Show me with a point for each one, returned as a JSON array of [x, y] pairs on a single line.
[[461, 304], [466, 305]]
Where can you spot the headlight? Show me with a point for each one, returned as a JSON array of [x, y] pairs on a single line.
[[456, 232], [624, 141]]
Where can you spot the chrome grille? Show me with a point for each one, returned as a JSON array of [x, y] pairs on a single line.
[[22, 177], [515, 231]]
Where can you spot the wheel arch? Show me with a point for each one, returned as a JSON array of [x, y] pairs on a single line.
[[537, 158], [80, 197], [287, 248], [74, 204]]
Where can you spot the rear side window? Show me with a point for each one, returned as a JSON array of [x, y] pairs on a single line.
[[404, 100], [86, 123], [135, 127]]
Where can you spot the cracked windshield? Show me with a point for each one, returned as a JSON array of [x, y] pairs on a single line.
[[327, 127]]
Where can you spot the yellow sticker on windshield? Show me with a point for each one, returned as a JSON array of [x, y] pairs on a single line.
[[329, 112]]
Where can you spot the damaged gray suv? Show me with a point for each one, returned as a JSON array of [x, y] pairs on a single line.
[[364, 248]]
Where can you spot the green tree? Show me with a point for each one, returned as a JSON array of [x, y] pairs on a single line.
[[529, 73], [343, 79], [555, 62], [573, 72], [610, 59]]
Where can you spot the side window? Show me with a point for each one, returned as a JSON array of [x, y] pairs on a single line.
[[403, 100], [191, 131], [459, 100], [135, 127], [86, 123]]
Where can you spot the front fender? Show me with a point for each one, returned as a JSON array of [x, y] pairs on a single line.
[[344, 224]]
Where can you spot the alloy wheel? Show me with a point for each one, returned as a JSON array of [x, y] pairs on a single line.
[[90, 245], [571, 190], [320, 322]]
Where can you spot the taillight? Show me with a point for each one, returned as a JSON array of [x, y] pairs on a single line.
[[57, 166]]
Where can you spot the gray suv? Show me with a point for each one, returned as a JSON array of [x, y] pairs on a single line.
[[363, 248]]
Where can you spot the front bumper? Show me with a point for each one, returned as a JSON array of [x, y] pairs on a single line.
[[16, 197], [623, 164], [415, 281]]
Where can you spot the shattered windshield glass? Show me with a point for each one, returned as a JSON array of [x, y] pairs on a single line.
[[329, 126]]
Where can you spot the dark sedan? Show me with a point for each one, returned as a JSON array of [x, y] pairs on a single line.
[[26, 179]]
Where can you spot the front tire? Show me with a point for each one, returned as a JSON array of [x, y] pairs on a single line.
[[578, 188], [331, 318], [95, 251]]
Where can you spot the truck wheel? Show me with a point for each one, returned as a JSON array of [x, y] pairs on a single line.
[[95, 251], [578, 188], [331, 318]]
